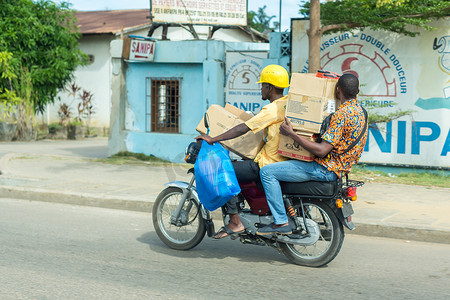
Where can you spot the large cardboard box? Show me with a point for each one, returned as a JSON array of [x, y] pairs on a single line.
[[310, 100], [289, 148], [221, 119]]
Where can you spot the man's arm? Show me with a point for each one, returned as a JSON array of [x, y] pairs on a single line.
[[234, 132], [318, 149]]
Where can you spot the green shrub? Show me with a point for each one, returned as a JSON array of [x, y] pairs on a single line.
[[54, 127]]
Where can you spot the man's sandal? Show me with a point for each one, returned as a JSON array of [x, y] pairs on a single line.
[[225, 229]]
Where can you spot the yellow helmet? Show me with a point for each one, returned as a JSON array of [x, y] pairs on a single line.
[[275, 75]]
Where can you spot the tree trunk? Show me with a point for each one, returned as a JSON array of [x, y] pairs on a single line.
[[71, 132], [314, 37], [25, 129]]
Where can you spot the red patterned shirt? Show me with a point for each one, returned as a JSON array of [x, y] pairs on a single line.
[[346, 125]]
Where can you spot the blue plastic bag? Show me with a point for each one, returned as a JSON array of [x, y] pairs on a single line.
[[214, 176]]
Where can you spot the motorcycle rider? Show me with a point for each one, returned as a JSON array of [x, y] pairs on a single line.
[[273, 80], [345, 127]]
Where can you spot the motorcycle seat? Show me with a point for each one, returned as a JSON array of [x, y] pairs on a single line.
[[310, 188]]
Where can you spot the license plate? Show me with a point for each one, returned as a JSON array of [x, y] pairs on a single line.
[[347, 209]]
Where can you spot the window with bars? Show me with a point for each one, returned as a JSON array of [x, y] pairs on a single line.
[[162, 105]]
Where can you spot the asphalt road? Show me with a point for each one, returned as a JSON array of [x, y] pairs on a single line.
[[57, 251], [89, 148]]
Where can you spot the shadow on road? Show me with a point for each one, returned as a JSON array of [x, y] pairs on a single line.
[[221, 249]]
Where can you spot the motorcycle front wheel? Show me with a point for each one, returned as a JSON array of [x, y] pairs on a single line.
[[330, 239], [188, 230]]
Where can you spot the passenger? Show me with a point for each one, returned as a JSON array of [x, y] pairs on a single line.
[[334, 154]]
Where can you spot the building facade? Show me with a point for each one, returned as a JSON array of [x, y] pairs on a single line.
[[157, 105]]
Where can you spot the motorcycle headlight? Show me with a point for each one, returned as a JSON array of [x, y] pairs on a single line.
[[192, 152]]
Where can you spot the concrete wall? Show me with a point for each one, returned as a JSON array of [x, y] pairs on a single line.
[[200, 64], [94, 78], [395, 72]]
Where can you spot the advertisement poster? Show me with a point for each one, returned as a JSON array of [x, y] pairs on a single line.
[[242, 74], [396, 72], [211, 12]]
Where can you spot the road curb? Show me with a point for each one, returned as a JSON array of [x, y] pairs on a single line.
[[402, 233], [123, 203], [77, 199]]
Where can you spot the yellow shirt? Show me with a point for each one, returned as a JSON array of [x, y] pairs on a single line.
[[269, 118]]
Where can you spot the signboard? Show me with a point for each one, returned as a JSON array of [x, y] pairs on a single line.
[[396, 72], [138, 49], [242, 74], [211, 12]]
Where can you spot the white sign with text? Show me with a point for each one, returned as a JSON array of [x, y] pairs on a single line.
[[142, 50], [242, 74], [211, 12]]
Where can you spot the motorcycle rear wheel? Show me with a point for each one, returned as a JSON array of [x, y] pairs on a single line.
[[189, 231], [330, 239]]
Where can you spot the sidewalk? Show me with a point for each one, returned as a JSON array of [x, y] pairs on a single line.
[[385, 210]]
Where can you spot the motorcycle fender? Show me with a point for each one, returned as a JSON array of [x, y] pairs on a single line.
[[184, 185], [343, 213]]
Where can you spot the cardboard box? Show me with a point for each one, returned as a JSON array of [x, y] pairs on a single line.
[[310, 100], [222, 119], [289, 148]]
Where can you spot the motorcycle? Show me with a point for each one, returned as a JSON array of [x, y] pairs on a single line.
[[317, 212]]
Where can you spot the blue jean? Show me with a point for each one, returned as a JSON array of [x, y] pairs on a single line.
[[290, 171]]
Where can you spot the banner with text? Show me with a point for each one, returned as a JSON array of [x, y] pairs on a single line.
[[396, 72], [211, 12]]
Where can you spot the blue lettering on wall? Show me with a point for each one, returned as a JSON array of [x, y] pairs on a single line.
[[446, 147], [256, 106], [384, 144], [393, 58], [416, 137], [383, 139], [381, 103], [401, 73], [244, 106], [256, 64], [375, 42], [247, 106], [401, 133], [334, 40]]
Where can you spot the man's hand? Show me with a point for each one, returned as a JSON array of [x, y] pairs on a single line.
[[286, 128], [318, 149], [234, 132], [206, 138]]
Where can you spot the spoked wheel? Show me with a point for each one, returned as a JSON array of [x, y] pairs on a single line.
[[188, 230], [330, 239]]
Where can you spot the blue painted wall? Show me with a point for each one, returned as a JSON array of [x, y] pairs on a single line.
[[201, 67], [164, 145], [191, 80]]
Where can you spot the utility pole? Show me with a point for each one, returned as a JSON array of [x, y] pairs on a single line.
[[279, 26]]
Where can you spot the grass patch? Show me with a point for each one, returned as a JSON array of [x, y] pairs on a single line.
[[359, 172], [125, 157], [23, 157]]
